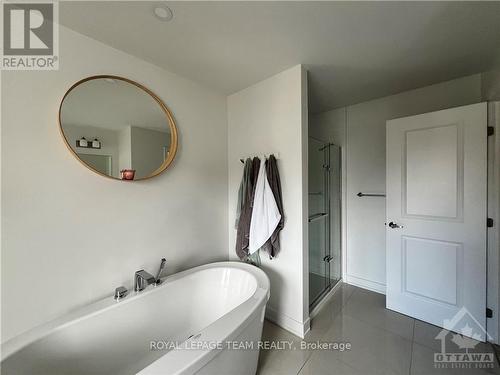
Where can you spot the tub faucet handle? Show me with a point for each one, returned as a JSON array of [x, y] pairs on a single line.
[[120, 292], [160, 270]]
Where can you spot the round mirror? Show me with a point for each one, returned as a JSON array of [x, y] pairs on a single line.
[[118, 128]]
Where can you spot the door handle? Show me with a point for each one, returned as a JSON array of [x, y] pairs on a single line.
[[393, 225], [327, 258]]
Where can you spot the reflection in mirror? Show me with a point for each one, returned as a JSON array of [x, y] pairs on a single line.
[[118, 128]]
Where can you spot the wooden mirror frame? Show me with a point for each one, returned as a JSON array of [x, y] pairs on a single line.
[[168, 115]]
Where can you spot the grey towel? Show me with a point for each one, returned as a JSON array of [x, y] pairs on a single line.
[[242, 192], [272, 245], [243, 231]]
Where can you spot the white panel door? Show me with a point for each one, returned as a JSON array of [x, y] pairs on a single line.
[[436, 215]]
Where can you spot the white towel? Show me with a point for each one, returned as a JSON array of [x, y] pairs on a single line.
[[265, 213]]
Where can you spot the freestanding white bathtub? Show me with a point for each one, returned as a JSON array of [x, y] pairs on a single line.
[[206, 320]]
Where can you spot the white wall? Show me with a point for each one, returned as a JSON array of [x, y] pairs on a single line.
[[271, 117], [360, 130], [125, 148], [70, 236], [107, 137], [147, 149], [490, 85], [329, 126]]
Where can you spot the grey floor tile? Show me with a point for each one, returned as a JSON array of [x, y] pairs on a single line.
[[373, 350], [322, 322], [425, 334], [322, 363], [281, 362], [271, 331], [341, 296], [370, 307]]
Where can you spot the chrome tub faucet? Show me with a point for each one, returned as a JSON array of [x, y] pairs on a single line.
[[142, 279]]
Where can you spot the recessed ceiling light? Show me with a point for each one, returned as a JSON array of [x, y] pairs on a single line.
[[163, 13]]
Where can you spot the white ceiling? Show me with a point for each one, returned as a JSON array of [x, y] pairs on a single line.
[[354, 51]]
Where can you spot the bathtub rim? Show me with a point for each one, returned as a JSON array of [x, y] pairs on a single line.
[[85, 312]]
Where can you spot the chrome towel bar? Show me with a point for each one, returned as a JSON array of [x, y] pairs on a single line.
[[317, 216], [360, 194]]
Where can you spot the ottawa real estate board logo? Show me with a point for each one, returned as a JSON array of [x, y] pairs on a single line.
[[30, 35], [461, 346]]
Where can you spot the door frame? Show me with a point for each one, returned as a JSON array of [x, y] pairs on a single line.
[[493, 234]]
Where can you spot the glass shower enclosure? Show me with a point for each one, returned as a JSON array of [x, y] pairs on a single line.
[[324, 219]]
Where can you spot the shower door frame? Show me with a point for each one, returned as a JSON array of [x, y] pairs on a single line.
[[326, 148]]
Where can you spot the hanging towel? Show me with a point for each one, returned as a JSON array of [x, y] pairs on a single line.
[[242, 192], [243, 232], [265, 214], [272, 245]]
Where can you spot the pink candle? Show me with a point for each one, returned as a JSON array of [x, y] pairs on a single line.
[[127, 174]]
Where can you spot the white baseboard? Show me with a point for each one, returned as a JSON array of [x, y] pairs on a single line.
[[365, 284], [291, 325]]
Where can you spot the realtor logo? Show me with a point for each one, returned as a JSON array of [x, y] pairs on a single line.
[[30, 32], [460, 344]]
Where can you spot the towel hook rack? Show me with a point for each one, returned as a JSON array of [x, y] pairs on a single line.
[[264, 156], [360, 194]]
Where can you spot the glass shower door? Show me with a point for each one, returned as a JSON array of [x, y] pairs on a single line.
[[324, 218], [335, 187], [318, 220]]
